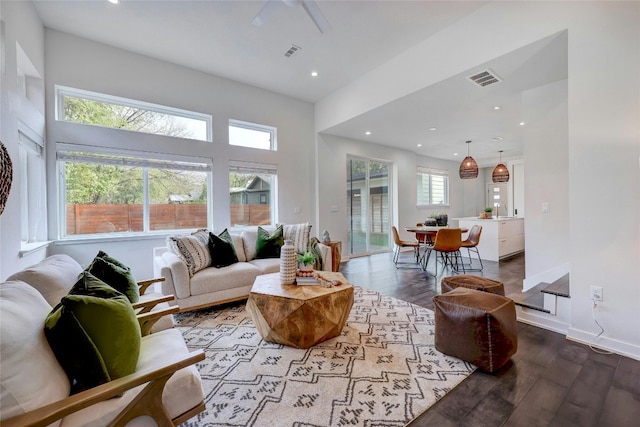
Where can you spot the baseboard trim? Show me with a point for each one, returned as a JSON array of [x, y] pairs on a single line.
[[619, 347]]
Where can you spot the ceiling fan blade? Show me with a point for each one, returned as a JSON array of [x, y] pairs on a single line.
[[266, 11], [316, 15]]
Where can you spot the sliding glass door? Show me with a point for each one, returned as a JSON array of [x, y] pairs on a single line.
[[368, 209]]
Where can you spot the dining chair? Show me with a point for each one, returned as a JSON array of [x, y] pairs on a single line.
[[471, 243], [425, 237], [447, 245], [399, 244]]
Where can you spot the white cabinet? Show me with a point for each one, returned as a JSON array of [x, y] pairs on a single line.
[[499, 238], [510, 236]]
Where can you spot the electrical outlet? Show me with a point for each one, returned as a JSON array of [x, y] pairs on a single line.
[[596, 293]]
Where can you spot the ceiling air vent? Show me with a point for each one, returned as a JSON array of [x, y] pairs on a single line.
[[485, 78], [292, 51]]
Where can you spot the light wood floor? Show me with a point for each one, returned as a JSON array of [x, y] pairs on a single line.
[[550, 381]]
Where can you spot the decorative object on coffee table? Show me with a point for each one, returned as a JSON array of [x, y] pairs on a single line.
[[288, 263], [306, 261], [336, 254], [6, 176], [299, 316]]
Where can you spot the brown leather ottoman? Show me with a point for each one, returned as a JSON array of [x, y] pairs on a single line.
[[475, 326], [472, 282]]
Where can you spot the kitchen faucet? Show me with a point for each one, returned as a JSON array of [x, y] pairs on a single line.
[[498, 204]]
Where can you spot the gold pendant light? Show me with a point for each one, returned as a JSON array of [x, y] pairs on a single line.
[[468, 167], [500, 172]]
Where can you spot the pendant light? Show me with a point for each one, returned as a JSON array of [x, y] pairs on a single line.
[[468, 167], [500, 172]]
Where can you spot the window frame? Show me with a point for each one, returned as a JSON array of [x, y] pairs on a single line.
[[243, 167], [271, 130], [31, 163], [422, 171], [146, 161], [63, 91]]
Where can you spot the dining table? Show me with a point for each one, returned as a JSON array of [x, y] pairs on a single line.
[[426, 235]]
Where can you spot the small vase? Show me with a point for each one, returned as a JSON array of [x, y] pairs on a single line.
[[288, 263], [305, 267]]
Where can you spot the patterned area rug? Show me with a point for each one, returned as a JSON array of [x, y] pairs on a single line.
[[383, 370]]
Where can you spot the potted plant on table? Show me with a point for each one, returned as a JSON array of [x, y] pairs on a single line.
[[488, 213], [306, 261]]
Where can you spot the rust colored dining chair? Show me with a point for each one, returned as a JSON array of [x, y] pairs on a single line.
[[447, 245], [399, 244], [471, 243]]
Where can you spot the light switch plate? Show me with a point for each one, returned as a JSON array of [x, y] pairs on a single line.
[[545, 207]]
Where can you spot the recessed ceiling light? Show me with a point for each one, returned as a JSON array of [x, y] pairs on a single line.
[[114, 1], [522, 123], [314, 74], [432, 129], [419, 145], [496, 107], [497, 138], [368, 132], [455, 154]]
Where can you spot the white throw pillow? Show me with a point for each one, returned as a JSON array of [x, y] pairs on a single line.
[[31, 376], [193, 249], [299, 234]]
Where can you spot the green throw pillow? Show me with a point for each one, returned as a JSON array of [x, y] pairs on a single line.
[[268, 246], [112, 260], [116, 275], [95, 335], [223, 252]]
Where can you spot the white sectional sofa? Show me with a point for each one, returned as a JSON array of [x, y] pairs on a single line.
[[212, 286]]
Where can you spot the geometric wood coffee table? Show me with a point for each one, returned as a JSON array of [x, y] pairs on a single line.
[[299, 316]]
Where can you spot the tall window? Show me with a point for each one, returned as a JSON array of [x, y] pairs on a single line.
[[91, 108], [252, 135], [252, 193], [117, 193], [432, 187], [32, 183]]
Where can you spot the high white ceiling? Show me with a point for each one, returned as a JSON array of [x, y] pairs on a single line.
[[217, 37]]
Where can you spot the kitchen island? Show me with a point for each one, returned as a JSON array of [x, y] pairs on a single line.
[[500, 238]]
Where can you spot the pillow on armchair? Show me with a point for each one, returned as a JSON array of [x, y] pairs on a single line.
[[94, 334], [118, 276], [30, 377]]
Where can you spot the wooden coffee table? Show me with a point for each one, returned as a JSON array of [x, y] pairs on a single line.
[[299, 316]]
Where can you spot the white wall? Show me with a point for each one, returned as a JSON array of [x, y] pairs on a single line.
[[332, 163], [546, 159], [23, 26], [79, 63], [603, 136]]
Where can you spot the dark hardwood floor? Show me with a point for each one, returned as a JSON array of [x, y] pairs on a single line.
[[550, 381]]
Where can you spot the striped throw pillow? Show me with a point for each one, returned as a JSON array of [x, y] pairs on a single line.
[[299, 233], [193, 249]]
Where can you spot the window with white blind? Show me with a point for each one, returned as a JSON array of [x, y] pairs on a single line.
[[432, 187], [32, 183], [253, 193], [103, 193]]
